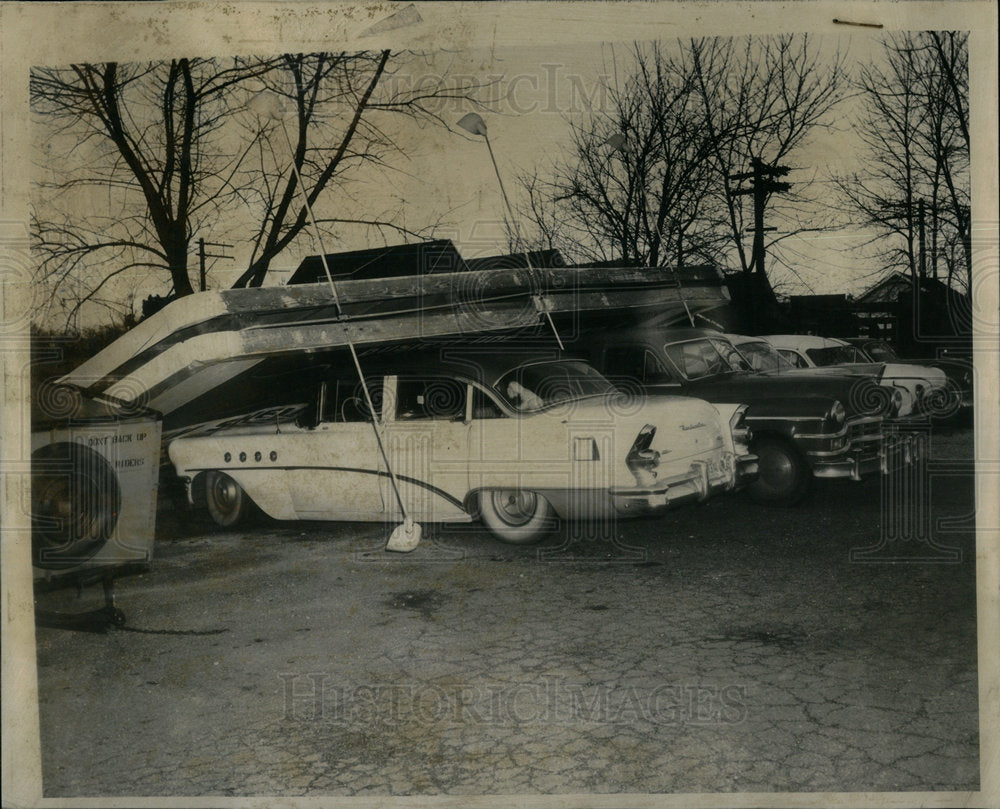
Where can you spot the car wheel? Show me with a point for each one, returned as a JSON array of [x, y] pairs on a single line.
[[783, 476], [227, 502], [517, 516]]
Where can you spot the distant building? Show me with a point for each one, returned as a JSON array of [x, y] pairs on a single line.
[[823, 315], [918, 318]]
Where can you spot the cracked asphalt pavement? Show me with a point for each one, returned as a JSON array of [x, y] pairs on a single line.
[[726, 647]]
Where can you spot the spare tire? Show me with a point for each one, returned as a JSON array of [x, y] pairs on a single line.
[[75, 502]]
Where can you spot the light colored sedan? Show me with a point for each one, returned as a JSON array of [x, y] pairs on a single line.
[[515, 440], [924, 390]]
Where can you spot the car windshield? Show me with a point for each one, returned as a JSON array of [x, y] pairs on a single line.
[[835, 355], [696, 359], [542, 384], [762, 356], [881, 351]]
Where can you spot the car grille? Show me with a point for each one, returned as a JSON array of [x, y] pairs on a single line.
[[867, 429]]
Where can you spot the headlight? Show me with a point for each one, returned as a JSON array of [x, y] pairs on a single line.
[[897, 402], [836, 415]]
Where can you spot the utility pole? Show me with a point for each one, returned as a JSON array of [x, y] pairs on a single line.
[[202, 255], [763, 186], [921, 230], [915, 216]]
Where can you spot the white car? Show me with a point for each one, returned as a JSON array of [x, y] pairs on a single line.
[[515, 440], [921, 387]]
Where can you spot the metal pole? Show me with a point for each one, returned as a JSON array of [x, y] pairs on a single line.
[[350, 343], [201, 263], [922, 235], [517, 235]]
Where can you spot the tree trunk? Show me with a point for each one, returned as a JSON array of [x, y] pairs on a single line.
[[177, 264]]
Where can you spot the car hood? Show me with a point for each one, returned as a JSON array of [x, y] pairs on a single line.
[[755, 388], [899, 371]]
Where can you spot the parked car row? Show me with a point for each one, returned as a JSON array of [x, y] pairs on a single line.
[[805, 426], [628, 422], [924, 390]]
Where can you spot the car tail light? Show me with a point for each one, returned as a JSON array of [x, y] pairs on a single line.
[[641, 460], [742, 434]]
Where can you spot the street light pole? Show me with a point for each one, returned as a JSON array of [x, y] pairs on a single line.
[[405, 537], [475, 125]]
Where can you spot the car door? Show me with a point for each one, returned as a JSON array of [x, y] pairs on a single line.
[[426, 437], [496, 445], [333, 469], [554, 450]]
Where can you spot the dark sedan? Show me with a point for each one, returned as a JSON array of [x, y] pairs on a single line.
[[804, 427]]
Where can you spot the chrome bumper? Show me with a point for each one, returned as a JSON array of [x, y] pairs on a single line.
[[877, 454], [698, 483]]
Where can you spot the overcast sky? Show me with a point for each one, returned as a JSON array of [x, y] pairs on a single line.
[[448, 177]]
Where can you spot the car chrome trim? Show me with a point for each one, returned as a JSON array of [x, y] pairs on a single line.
[[423, 484]]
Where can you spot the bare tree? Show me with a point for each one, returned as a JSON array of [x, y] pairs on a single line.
[[915, 126], [762, 98], [688, 122], [337, 105], [147, 138], [637, 177], [142, 158]]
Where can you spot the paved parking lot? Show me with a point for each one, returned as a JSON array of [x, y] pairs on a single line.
[[725, 647]]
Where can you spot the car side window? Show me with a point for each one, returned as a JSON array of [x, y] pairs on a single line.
[[483, 406], [653, 368], [625, 361], [793, 357], [430, 399], [694, 359], [343, 400], [635, 361]]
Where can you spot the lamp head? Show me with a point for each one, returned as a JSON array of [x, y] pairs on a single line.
[[616, 141], [473, 124], [267, 106]]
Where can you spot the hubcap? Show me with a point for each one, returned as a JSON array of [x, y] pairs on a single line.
[[776, 470], [514, 506], [225, 492]]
